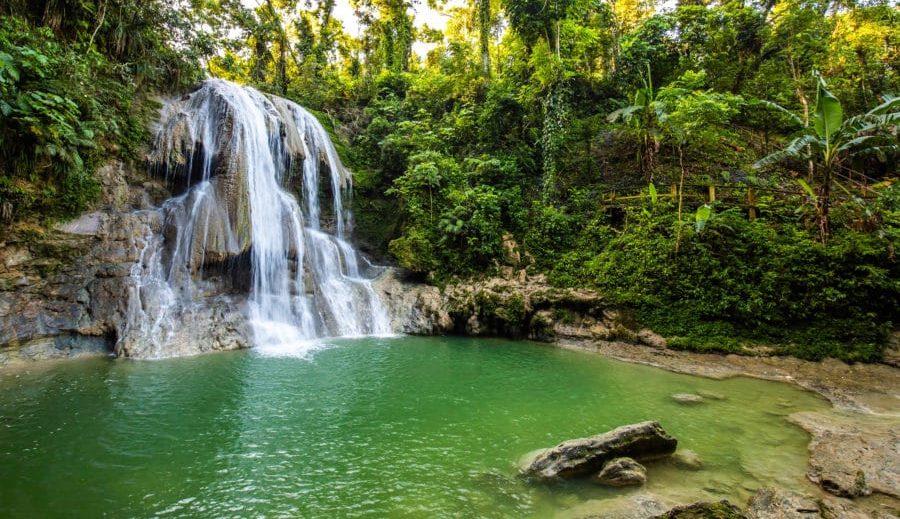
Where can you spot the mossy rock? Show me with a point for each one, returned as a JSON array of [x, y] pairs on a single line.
[[703, 510]]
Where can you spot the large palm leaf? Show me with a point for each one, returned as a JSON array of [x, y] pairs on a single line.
[[799, 148]]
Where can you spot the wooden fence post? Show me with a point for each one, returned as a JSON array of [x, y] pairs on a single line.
[[751, 204]]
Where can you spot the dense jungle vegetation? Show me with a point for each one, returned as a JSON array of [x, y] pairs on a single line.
[[726, 170]]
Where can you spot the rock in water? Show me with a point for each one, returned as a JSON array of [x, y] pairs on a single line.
[[852, 456], [622, 472], [584, 456], [687, 460], [772, 503], [687, 398], [721, 510]]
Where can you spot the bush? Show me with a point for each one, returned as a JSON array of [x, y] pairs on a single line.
[[739, 283], [63, 112]]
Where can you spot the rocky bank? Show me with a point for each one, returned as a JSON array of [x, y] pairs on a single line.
[[854, 450], [64, 291]]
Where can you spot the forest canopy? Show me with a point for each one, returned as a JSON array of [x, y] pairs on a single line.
[[726, 170]]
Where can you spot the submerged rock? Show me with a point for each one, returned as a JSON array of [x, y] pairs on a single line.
[[632, 506], [584, 456], [773, 503], [711, 395], [721, 510], [687, 459], [688, 398], [622, 472]]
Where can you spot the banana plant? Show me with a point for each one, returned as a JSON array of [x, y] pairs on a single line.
[[832, 139], [642, 116]]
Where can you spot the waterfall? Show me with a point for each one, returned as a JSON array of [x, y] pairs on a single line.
[[237, 236]]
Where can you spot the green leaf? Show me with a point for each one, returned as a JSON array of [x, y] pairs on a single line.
[[806, 187], [703, 214], [784, 111], [653, 195], [797, 149], [890, 103], [828, 115]]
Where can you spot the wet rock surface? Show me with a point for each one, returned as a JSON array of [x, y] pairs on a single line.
[[687, 459], [853, 456], [622, 472], [412, 307], [688, 398], [720, 510], [62, 290], [516, 305], [771, 503], [631, 506], [774, 503], [585, 456]]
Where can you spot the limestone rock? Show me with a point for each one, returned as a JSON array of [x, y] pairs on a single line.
[[652, 339], [852, 456], [687, 459], [622, 472], [413, 307], [584, 456], [838, 508], [219, 325], [86, 225], [63, 291], [510, 249], [721, 510], [688, 398], [772, 503], [632, 506]]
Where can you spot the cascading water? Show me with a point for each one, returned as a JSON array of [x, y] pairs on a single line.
[[237, 237]]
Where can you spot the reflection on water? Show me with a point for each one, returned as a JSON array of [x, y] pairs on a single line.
[[410, 427]]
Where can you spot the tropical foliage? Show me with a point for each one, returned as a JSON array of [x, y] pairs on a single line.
[[613, 140]]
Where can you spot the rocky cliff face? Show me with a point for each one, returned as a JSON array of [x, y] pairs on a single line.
[[59, 288], [516, 305], [64, 291]]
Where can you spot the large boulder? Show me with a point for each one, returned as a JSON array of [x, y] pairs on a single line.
[[622, 472], [585, 456]]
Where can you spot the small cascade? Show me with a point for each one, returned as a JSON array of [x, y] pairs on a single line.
[[237, 236]]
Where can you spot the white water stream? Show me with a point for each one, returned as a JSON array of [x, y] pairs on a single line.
[[303, 280]]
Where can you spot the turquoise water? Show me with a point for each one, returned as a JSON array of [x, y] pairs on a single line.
[[405, 427]]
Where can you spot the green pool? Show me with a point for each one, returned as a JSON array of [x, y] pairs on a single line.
[[403, 427]]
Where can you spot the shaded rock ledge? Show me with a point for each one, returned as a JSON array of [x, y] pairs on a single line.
[[516, 306]]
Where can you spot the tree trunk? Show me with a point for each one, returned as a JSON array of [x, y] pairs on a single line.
[[680, 198], [824, 204], [484, 26], [811, 165]]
